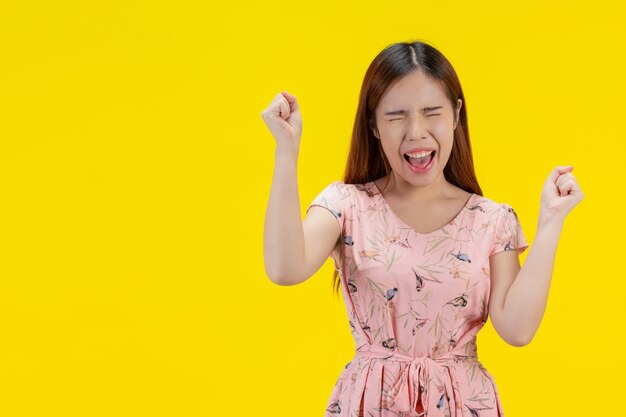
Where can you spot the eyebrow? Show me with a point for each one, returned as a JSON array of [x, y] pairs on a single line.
[[404, 112]]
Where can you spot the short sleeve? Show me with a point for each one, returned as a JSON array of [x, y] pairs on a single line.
[[333, 198], [508, 234]]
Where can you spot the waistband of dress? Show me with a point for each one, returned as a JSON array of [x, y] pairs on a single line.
[[443, 358]]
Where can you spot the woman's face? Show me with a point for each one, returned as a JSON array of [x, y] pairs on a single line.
[[415, 114]]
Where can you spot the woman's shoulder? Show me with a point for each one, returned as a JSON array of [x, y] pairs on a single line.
[[355, 189], [487, 204]]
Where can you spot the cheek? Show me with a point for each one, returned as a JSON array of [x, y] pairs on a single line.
[[392, 153], [388, 151], [443, 129], [444, 135]]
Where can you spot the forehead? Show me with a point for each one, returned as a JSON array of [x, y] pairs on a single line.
[[415, 89]]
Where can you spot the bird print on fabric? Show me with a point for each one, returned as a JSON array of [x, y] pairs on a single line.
[[462, 257], [460, 301]]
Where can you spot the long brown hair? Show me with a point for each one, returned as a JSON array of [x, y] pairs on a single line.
[[366, 158]]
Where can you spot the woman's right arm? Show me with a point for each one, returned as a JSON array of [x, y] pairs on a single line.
[[293, 250]]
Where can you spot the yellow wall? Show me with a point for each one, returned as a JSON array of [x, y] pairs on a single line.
[[135, 170]]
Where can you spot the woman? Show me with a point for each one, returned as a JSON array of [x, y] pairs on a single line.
[[424, 258]]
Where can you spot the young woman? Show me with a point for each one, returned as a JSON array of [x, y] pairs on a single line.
[[423, 257]]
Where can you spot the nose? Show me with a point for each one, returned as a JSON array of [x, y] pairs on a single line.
[[416, 127]]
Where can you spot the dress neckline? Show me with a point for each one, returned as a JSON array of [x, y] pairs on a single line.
[[403, 224]]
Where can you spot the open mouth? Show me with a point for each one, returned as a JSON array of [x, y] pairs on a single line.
[[420, 162]]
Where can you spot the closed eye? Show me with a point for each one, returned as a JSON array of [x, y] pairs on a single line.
[[428, 115]]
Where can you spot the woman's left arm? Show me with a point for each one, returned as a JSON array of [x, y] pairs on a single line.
[[524, 303]]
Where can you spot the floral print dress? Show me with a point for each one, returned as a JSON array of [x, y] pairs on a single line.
[[415, 302]]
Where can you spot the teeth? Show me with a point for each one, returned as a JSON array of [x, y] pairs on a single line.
[[419, 154]]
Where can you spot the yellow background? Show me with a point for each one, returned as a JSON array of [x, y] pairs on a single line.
[[135, 170]]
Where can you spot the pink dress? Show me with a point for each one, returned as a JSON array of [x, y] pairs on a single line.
[[415, 303]]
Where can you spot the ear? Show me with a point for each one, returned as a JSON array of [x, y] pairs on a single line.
[[459, 103], [373, 127]]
